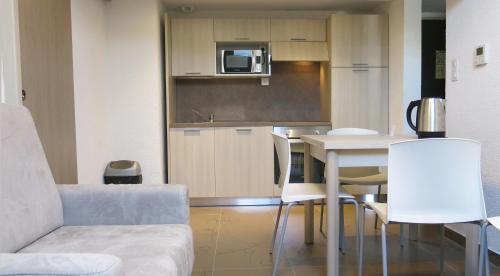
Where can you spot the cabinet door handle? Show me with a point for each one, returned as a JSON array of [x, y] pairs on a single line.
[[193, 73], [242, 38], [360, 70], [192, 130], [244, 130], [297, 39], [360, 64]]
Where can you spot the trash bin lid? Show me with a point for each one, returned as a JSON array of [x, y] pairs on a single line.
[[123, 168]]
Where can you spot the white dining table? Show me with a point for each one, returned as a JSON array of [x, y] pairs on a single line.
[[356, 151]]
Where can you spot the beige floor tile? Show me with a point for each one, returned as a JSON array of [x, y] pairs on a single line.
[[235, 241]]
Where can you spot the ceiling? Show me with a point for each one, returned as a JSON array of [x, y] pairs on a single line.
[[202, 5]]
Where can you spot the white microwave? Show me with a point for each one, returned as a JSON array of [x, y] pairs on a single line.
[[243, 59]]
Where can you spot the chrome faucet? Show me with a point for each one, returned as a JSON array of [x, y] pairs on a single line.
[[212, 118]]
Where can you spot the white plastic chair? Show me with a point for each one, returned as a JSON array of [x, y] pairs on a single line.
[[293, 193], [376, 179], [430, 181]]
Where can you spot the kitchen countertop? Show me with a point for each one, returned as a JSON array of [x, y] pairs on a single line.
[[247, 124]]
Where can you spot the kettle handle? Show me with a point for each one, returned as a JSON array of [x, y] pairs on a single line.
[[408, 114]]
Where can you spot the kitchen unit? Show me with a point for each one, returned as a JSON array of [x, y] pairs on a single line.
[[344, 60]]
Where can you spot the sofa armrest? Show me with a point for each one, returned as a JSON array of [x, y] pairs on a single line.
[[124, 204], [60, 264]]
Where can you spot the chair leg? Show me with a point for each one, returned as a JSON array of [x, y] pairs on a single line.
[[361, 241], [356, 218], [384, 249], [321, 216], [486, 255], [441, 252], [341, 228], [379, 192], [281, 238], [401, 235], [484, 263], [276, 225]]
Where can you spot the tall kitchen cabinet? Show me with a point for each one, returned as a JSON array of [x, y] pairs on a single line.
[[359, 71]]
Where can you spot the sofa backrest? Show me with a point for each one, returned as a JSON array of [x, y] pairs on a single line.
[[30, 206]]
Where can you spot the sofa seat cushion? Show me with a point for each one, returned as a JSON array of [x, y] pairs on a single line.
[[144, 249]]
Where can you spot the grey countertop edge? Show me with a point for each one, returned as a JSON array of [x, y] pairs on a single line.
[[247, 124]]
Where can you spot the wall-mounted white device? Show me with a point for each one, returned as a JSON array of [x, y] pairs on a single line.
[[481, 55]]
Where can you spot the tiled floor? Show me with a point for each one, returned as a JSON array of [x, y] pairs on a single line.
[[235, 241]]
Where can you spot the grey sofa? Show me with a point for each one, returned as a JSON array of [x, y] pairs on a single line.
[[49, 229]]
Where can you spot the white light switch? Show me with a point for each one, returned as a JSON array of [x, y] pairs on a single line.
[[481, 55], [454, 70]]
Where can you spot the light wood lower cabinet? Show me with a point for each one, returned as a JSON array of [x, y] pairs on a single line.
[[244, 162], [223, 162], [192, 160], [360, 98]]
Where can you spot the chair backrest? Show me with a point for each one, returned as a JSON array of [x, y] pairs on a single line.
[[359, 171], [352, 131], [435, 181], [282, 145], [30, 206]]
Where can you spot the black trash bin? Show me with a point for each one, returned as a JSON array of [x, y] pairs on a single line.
[[123, 172]]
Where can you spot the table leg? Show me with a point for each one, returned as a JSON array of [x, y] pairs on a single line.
[[471, 249], [308, 205], [332, 187], [413, 232]]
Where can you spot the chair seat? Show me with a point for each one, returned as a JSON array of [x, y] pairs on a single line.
[[495, 221], [380, 209], [309, 191], [376, 179], [144, 249]]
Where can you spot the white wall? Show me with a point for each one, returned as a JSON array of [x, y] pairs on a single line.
[[89, 67], [405, 52], [473, 102], [118, 86], [10, 65]]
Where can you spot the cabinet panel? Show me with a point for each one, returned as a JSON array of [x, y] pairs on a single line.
[[300, 51], [298, 30], [359, 40], [360, 98], [247, 29], [192, 160], [244, 162], [193, 47]]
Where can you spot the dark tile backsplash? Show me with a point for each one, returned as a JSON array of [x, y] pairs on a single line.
[[293, 95]]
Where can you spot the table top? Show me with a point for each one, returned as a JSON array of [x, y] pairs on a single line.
[[333, 142]]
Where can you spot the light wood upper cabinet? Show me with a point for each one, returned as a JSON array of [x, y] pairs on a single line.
[[359, 40], [241, 29], [360, 98], [193, 47], [244, 162], [192, 160], [298, 30], [300, 51]]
